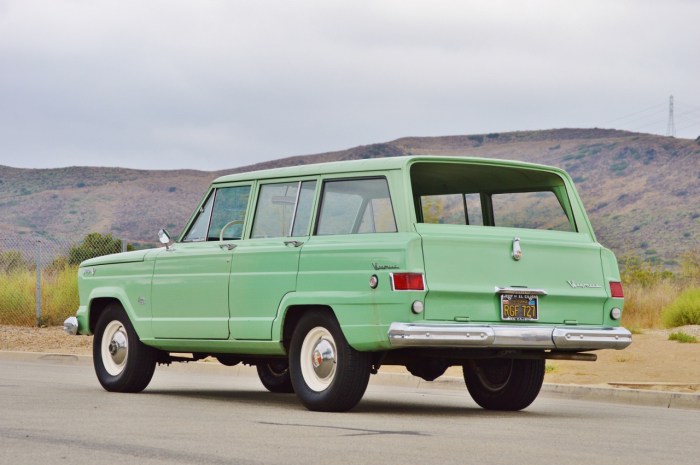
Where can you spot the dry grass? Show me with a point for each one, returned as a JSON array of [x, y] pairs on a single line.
[[644, 304]]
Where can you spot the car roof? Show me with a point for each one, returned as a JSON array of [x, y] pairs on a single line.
[[373, 164]]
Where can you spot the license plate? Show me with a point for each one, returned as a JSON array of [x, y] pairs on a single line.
[[521, 307]]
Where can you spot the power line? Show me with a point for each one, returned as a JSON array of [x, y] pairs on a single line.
[[658, 105]]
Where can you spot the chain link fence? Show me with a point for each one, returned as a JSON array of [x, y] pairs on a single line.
[[39, 277]]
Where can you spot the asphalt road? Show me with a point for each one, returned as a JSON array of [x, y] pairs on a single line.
[[53, 411]]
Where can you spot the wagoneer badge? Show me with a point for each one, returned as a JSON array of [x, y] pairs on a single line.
[[377, 266], [575, 285]]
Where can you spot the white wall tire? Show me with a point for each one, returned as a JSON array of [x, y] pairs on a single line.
[[122, 362], [328, 375]]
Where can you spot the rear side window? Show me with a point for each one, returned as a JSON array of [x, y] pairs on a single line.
[[530, 210], [356, 206]]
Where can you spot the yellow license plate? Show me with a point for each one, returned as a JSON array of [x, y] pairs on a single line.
[[520, 307]]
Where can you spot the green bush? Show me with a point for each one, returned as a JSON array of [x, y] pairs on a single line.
[[95, 245], [642, 272], [682, 337], [685, 310]]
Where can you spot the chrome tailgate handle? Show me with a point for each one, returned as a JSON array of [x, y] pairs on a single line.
[[517, 251]]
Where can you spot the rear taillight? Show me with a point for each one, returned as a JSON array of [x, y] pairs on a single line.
[[407, 282], [616, 290]]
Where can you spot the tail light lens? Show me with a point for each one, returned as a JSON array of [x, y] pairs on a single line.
[[616, 290], [407, 282]]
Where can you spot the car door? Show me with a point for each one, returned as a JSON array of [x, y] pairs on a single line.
[[191, 279], [264, 266]]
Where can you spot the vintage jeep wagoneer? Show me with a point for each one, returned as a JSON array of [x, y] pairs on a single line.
[[319, 274]]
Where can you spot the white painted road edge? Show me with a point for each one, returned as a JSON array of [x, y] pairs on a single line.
[[641, 397]]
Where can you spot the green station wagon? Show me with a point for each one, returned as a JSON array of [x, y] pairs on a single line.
[[320, 274]]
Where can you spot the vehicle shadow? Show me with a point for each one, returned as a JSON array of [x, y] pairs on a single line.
[[369, 405]]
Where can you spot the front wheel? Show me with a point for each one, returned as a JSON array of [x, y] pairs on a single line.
[[327, 374], [122, 362], [504, 384]]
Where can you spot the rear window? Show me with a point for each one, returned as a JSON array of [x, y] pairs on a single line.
[[474, 195]]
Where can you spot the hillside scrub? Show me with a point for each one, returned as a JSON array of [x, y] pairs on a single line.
[[656, 297]]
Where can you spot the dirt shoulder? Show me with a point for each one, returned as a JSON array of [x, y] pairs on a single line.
[[651, 362]]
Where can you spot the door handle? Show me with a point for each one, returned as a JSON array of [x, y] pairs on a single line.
[[294, 243], [227, 246]]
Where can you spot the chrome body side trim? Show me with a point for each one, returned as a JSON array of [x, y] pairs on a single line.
[[507, 336]]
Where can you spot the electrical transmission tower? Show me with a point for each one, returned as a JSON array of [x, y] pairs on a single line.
[[671, 126]]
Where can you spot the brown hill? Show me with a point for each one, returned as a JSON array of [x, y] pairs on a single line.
[[642, 191]]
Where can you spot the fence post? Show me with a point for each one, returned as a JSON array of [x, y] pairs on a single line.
[[38, 283], [123, 245]]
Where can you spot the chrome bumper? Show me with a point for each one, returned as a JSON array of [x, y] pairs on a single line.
[[507, 336], [70, 326]]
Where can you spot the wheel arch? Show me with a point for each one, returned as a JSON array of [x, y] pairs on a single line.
[[99, 301], [292, 317]]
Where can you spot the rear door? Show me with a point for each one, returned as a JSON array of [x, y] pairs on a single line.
[[264, 266], [506, 244]]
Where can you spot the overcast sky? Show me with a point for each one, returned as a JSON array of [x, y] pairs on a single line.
[[218, 84]]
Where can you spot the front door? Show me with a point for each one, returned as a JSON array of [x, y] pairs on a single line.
[[190, 287]]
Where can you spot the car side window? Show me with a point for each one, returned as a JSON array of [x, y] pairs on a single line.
[[284, 209], [198, 231], [224, 209], [356, 206]]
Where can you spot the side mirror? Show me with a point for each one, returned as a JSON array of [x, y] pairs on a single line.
[[164, 238]]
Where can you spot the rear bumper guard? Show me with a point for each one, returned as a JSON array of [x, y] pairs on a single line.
[[508, 336]]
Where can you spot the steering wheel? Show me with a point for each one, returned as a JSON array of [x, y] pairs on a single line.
[[230, 223]]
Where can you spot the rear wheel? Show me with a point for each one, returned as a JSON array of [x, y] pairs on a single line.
[[504, 384], [327, 374], [122, 362], [274, 375]]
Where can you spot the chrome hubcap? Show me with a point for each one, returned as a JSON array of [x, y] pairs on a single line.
[[114, 348], [323, 358], [117, 347], [318, 359]]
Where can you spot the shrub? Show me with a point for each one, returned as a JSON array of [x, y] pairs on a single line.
[[479, 139], [682, 337], [94, 245], [685, 310], [643, 272], [619, 167], [643, 304], [690, 266]]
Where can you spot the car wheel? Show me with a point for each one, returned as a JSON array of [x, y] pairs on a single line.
[[274, 375], [504, 384], [122, 362], [327, 374]]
